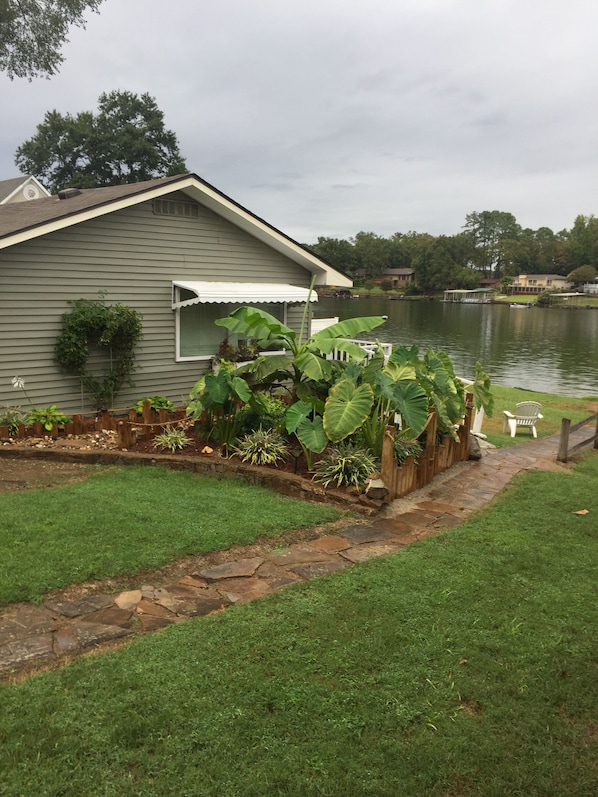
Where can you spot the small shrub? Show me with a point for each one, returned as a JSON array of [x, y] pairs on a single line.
[[262, 447], [48, 417], [156, 403], [173, 438], [12, 417], [267, 412], [345, 465]]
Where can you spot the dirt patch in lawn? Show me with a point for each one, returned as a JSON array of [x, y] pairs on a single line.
[[17, 474]]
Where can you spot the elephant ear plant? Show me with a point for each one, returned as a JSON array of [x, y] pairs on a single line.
[[304, 368], [215, 401]]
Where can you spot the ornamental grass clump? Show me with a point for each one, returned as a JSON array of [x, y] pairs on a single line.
[[404, 448], [12, 417], [172, 438], [345, 465], [262, 447]]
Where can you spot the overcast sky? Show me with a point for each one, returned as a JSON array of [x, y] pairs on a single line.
[[327, 117]]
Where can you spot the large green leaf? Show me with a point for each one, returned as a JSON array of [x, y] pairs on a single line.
[[296, 413], [255, 323], [410, 400], [445, 421], [313, 366], [311, 434], [481, 391], [398, 372], [222, 387], [349, 328], [401, 355], [347, 407]]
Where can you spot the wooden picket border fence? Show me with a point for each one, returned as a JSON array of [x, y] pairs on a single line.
[[403, 479], [129, 427], [399, 479], [566, 429]]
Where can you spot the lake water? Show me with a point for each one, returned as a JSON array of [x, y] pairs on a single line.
[[545, 349]]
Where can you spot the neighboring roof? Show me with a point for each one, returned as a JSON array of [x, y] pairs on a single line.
[[244, 292], [24, 221], [9, 188], [469, 290], [546, 276]]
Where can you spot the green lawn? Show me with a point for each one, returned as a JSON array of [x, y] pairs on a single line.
[[554, 409], [121, 520], [462, 666]]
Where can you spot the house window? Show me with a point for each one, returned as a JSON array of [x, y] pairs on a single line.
[[198, 337]]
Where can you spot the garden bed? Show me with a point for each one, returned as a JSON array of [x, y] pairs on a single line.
[[111, 439]]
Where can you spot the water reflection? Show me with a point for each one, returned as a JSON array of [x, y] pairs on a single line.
[[548, 350]]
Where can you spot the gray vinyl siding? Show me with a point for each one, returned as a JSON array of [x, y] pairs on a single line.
[[132, 255]]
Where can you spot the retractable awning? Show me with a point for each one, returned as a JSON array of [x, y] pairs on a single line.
[[239, 293]]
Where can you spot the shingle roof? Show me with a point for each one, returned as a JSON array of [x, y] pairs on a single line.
[[28, 215]]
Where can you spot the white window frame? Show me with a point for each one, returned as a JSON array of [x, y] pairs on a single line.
[[208, 357]]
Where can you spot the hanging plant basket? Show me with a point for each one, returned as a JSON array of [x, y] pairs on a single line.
[[115, 328]]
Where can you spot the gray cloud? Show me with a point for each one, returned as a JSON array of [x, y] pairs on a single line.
[[336, 116]]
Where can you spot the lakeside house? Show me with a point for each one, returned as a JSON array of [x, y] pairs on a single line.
[[175, 249], [536, 283], [398, 277]]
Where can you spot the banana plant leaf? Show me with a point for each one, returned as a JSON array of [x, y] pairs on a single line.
[[314, 366], [349, 328], [254, 323], [347, 408]]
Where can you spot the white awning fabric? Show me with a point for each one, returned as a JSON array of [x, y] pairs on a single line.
[[240, 293]]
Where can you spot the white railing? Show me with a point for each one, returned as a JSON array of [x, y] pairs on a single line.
[[369, 348]]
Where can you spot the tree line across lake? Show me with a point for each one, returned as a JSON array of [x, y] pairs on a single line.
[[126, 141], [491, 245]]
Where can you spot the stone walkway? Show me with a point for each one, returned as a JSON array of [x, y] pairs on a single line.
[[47, 635]]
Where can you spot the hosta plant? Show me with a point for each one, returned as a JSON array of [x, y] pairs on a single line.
[[172, 438], [344, 465], [48, 416], [156, 403], [262, 447]]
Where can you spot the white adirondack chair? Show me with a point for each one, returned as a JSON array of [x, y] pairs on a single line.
[[526, 414]]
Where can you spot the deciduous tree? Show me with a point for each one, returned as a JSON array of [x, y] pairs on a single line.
[[125, 142], [33, 31]]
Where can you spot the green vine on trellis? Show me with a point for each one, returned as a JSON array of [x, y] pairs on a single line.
[[116, 328]]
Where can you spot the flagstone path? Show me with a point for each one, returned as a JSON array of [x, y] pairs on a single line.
[[47, 635]]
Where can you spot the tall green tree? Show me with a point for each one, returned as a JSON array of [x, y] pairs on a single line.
[[373, 252], [338, 252], [33, 31], [582, 242], [125, 142], [582, 274], [487, 229]]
